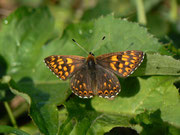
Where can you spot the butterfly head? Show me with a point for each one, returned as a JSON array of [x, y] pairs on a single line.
[[90, 53], [91, 61]]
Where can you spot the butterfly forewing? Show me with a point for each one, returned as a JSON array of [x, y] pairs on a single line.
[[121, 63], [83, 83], [64, 66], [107, 83]]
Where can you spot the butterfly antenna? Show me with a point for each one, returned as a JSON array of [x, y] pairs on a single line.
[[80, 46], [98, 43]]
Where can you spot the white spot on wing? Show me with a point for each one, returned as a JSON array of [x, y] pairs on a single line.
[[106, 97], [90, 96]]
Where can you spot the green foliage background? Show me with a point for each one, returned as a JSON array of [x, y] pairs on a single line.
[[149, 101]]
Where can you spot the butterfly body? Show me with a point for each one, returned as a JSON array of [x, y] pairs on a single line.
[[95, 75], [91, 61]]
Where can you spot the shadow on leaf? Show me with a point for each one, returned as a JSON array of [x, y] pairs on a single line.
[[130, 87], [38, 96], [121, 131], [3, 66]]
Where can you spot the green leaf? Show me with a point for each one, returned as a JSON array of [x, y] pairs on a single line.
[[149, 94], [8, 129], [121, 35], [156, 64], [148, 104], [30, 30], [83, 119]]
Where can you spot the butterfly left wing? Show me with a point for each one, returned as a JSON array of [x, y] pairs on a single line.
[[64, 66], [121, 63], [83, 83]]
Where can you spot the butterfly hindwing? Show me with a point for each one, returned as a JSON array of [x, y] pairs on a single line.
[[107, 84], [86, 83], [121, 63], [83, 83], [64, 66]]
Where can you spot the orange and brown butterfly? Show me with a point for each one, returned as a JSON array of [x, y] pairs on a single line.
[[95, 75]]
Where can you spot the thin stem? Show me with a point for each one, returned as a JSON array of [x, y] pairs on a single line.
[[13, 121], [173, 10], [141, 12]]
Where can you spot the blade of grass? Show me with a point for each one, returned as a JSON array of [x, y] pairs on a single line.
[[173, 10], [141, 12], [11, 116]]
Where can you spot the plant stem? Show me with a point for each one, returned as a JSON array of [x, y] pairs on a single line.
[[173, 10], [141, 12], [13, 121]]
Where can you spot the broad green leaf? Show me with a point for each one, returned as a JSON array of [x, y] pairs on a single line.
[[22, 36], [148, 104], [83, 119], [156, 64], [8, 129], [120, 35], [149, 94]]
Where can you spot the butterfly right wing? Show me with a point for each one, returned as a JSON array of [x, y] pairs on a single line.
[[121, 63], [107, 85], [64, 66]]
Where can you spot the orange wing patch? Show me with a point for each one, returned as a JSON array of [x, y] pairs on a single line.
[[114, 58], [72, 68], [69, 60], [113, 66]]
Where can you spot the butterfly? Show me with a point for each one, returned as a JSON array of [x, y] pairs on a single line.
[[95, 75]]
